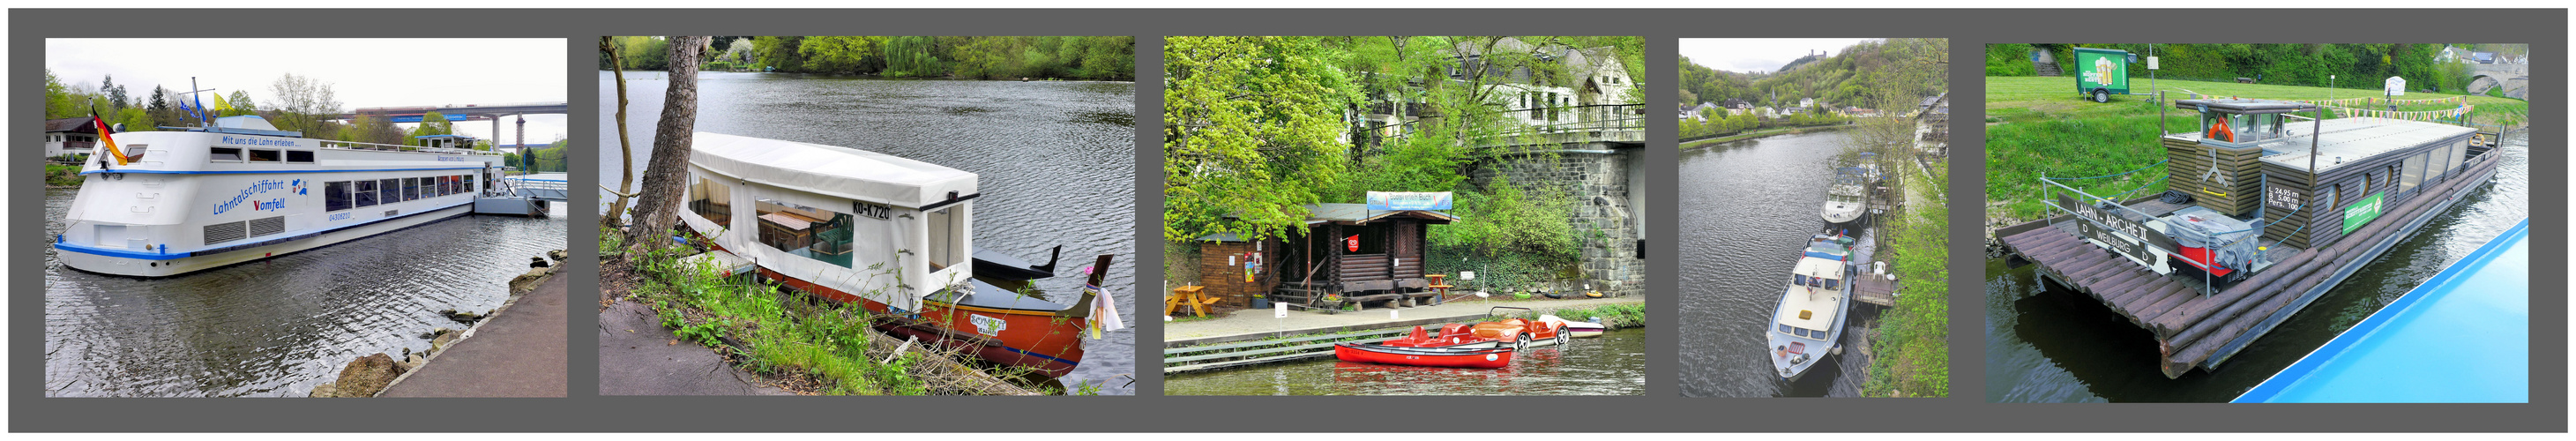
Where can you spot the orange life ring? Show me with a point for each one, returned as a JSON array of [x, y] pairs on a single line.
[[2221, 131]]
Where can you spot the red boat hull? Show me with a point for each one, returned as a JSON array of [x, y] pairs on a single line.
[[1450, 358], [1042, 341]]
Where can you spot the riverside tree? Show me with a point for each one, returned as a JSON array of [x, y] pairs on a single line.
[[1251, 134], [655, 206]]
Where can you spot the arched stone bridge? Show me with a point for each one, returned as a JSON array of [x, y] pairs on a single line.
[[2513, 77]]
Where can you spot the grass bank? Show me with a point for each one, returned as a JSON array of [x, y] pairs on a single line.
[[809, 345], [62, 175], [1912, 352], [2037, 126]]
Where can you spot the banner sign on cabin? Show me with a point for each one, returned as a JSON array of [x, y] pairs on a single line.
[[2104, 223], [1354, 242], [2360, 213], [1390, 200]]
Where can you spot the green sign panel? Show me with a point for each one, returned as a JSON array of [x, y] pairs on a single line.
[[2361, 212]]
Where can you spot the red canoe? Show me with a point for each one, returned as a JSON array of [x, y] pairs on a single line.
[[1427, 357]]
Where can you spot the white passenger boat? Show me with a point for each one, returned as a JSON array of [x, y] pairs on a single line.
[[241, 190], [1808, 323]]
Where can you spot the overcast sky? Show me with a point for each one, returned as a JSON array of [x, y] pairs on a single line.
[[363, 72], [1758, 54]]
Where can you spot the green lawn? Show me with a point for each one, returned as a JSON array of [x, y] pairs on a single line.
[[2038, 126]]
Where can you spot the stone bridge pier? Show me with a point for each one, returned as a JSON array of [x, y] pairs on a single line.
[[1609, 192]]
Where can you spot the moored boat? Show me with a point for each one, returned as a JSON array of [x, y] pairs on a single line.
[[1451, 335], [1577, 329], [1520, 334], [1808, 322], [166, 203], [890, 234], [1484, 358], [1847, 201], [994, 264]]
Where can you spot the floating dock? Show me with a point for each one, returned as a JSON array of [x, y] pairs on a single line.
[[2123, 255], [2462, 337]]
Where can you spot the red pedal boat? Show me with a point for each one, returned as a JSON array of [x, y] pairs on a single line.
[[1488, 358]]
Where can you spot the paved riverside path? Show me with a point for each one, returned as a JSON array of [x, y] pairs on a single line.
[[1252, 324], [637, 356], [519, 353]]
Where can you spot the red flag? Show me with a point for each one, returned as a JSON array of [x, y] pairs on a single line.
[[1354, 242]]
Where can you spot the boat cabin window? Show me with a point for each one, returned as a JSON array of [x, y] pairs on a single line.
[[469, 183], [711, 200], [265, 155], [299, 156], [2441, 162], [1785, 329], [948, 236], [224, 154], [135, 152], [364, 193], [411, 189], [810, 232], [2240, 127], [2414, 173], [389, 191], [335, 196]]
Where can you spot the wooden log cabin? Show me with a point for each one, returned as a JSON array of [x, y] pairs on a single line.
[[1346, 251]]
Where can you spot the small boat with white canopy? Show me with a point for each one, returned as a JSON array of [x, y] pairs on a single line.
[[894, 235]]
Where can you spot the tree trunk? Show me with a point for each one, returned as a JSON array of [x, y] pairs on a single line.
[[671, 138], [625, 151]]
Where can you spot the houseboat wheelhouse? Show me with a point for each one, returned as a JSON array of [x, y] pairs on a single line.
[[1847, 201], [888, 233], [240, 190]]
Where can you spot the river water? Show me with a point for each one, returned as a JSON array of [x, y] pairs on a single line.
[[2054, 345], [1056, 161], [1748, 208], [275, 327], [1613, 364]]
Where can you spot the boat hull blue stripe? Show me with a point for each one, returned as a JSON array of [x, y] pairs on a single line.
[[130, 254], [270, 172]]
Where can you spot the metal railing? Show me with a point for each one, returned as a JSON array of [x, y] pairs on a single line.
[[369, 146]]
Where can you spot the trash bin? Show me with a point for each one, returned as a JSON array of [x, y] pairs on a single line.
[[1260, 303]]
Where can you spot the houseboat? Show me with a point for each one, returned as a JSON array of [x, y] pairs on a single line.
[[894, 235], [166, 203], [2269, 205], [1847, 201], [1808, 323]]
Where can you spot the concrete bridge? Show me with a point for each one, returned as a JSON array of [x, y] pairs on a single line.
[[2515, 78]]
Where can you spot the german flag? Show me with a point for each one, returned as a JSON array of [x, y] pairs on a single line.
[[103, 139]]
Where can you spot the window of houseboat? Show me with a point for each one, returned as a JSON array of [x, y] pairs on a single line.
[[2441, 163], [389, 191], [365, 193], [2414, 173], [265, 155], [224, 154], [948, 236], [712, 200], [1786, 329], [411, 189], [299, 156], [335, 196], [2459, 153], [469, 182], [446, 185], [810, 232]]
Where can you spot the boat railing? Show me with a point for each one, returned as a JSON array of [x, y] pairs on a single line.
[[369, 146]]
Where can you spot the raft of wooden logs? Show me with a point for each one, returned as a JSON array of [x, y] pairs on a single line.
[[2195, 330]]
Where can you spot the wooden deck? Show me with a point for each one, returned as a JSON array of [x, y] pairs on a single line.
[[2196, 330], [1874, 290]]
